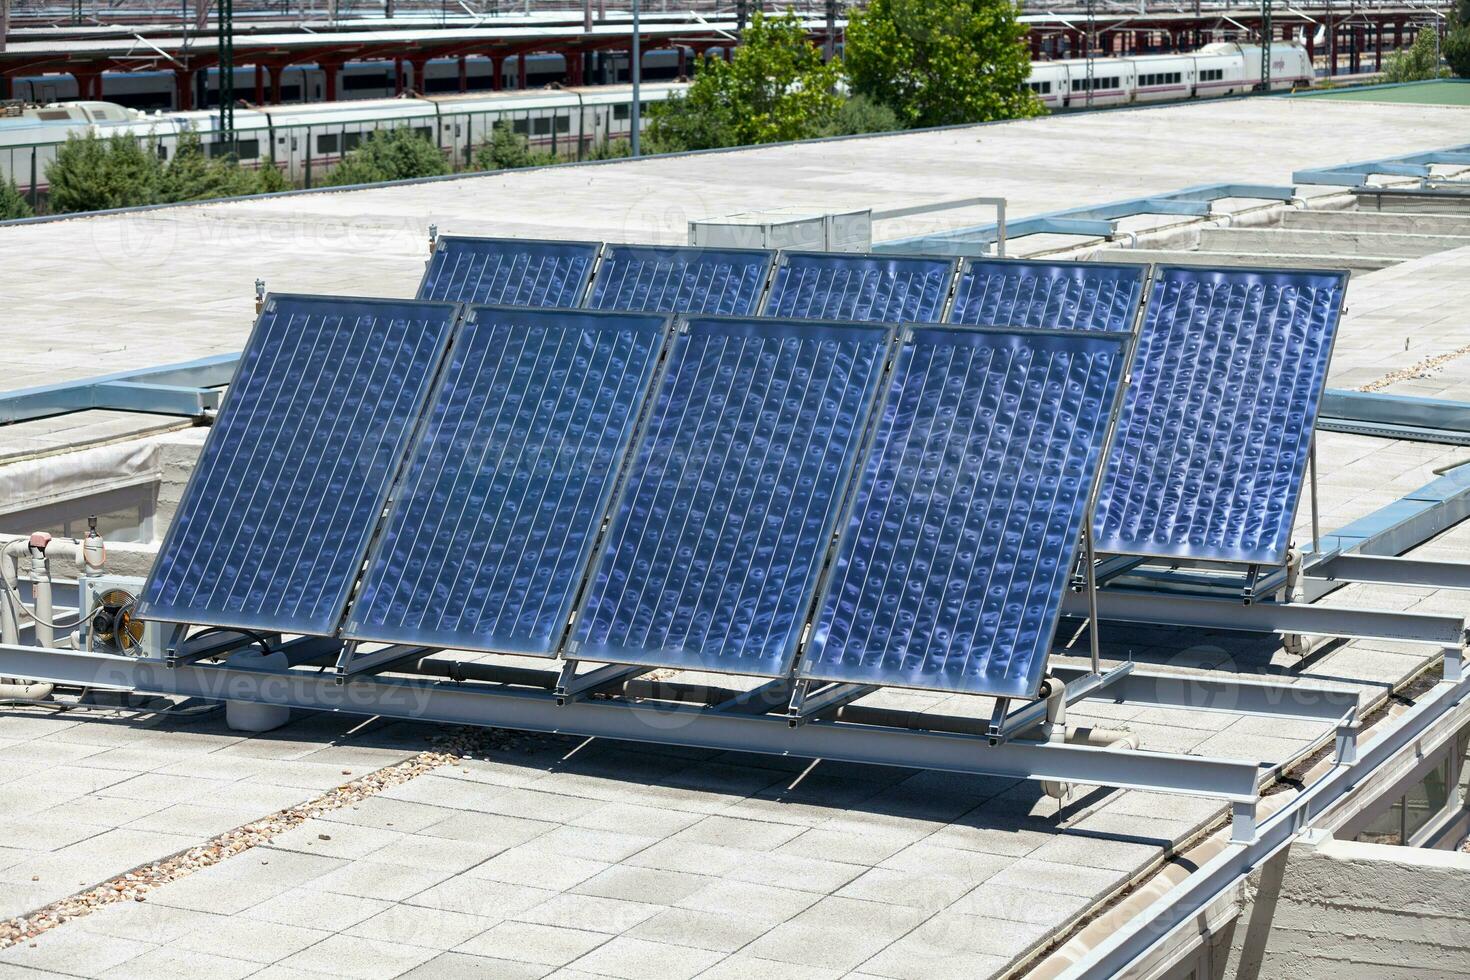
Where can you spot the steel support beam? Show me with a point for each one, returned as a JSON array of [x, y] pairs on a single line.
[[1083, 683], [352, 662], [1396, 528], [826, 701], [1165, 609], [575, 687], [1439, 714], [1387, 570], [664, 724], [1207, 691]]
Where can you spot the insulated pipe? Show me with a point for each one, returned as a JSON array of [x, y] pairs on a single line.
[[15, 687], [41, 586], [9, 621]]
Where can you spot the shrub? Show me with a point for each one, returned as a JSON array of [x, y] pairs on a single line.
[[1415, 63], [12, 202], [92, 174], [389, 154], [861, 114], [508, 150]]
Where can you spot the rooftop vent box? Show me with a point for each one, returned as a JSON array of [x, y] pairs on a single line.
[[794, 228]]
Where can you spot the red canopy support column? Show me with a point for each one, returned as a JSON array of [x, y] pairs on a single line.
[[464, 74], [184, 88], [259, 72], [420, 68], [497, 73], [329, 72], [275, 72], [521, 70], [683, 62], [572, 67]]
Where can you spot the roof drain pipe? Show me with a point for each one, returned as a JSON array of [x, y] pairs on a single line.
[[11, 608], [1055, 730]]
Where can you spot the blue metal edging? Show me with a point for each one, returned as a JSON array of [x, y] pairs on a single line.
[[1396, 417], [189, 389], [1089, 221], [1408, 165]]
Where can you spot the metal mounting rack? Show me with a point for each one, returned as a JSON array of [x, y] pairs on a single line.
[[832, 724]]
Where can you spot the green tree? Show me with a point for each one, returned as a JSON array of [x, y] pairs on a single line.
[[389, 154], [777, 87], [1457, 51], [12, 202], [91, 174], [941, 62], [1415, 63], [861, 114]]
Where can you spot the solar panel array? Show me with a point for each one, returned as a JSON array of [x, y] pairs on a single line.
[[704, 492], [487, 540], [949, 573], [1056, 295], [509, 271], [1215, 434], [873, 289], [278, 513], [725, 281], [716, 546]]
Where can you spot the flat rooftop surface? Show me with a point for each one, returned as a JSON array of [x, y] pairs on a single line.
[[1444, 91], [385, 850]]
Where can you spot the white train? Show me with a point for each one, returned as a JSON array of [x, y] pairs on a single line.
[[1214, 70], [306, 140], [357, 80]]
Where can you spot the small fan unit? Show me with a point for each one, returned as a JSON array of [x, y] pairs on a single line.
[[110, 622]]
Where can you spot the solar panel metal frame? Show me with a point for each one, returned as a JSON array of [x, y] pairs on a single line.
[[1128, 342], [622, 453], [785, 255], [442, 243], [607, 258], [1160, 270], [1117, 269], [407, 439], [842, 493]]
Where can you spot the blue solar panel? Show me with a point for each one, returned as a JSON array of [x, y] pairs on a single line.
[[1216, 430], [869, 288], [949, 573], [724, 281], [1056, 295], [491, 527], [272, 528], [717, 541], [509, 271]]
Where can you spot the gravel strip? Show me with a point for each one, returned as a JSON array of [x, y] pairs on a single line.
[[134, 885], [1420, 370]]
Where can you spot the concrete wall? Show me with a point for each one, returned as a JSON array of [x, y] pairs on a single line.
[[1340, 910]]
